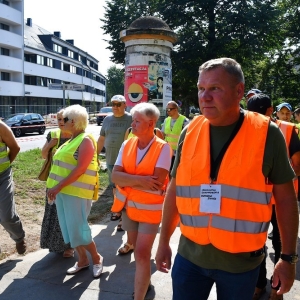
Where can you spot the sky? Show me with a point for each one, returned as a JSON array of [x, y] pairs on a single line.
[[76, 20]]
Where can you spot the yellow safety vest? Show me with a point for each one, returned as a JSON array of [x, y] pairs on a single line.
[[4, 159], [172, 135], [87, 185]]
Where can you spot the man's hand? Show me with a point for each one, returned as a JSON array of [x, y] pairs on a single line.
[[284, 273], [163, 258]]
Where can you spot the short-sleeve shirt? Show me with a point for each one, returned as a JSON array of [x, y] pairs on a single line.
[[113, 129], [276, 168]]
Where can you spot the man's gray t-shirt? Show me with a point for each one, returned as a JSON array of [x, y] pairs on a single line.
[[113, 129]]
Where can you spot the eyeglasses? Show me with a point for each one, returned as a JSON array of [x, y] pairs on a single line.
[[169, 109], [117, 104], [66, 119]]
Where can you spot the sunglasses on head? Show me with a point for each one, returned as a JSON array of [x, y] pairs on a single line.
[[66, 119], [169, 109], [118, 104]]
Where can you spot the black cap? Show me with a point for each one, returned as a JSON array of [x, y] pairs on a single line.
[[259, 103]]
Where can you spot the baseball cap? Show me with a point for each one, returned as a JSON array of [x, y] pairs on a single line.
[[285, 104], [254, 91], [259, 103], [118, 98]]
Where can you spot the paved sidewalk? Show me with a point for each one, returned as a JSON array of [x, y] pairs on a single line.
[[42, 275]]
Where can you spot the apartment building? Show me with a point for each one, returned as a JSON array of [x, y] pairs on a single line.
[[32, 59]]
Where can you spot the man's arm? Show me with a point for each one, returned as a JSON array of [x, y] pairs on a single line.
[[9, 139], [100, 143], [169, 222], [288, 222], [296, 162]]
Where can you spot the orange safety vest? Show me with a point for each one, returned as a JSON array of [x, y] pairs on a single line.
[[245, 213], [142, 206], [287, 130]]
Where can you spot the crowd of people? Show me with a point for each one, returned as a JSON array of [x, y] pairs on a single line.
[[223, 177]]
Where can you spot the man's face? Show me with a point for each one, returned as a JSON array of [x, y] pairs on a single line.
[[219, 96], [118, 108], [284, 114], [171, 110], [297, 117]]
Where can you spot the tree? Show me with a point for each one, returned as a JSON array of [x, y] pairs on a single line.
[[115, 82], [244, 30]]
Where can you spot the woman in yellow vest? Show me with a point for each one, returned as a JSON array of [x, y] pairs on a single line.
[[73, 184], [141, 174], [51, 236]]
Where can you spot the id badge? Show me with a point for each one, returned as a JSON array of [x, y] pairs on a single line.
[[210, 198]]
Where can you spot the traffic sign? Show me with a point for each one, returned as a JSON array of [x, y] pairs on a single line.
[[55, 86]]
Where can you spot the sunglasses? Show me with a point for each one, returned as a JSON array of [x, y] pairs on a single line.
[[117, 104], [169, 109], [66, 119]]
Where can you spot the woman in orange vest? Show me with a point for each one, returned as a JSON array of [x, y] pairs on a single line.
[[141, 175]]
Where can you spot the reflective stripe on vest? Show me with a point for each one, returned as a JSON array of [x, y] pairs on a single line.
[[78, 184], [4, 159], [232, 192], [245, 212], [225, 224], [72, 167], [172, 135], [144, 206]]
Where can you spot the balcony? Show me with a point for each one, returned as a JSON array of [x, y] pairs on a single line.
[[10, 15], [10, 39]]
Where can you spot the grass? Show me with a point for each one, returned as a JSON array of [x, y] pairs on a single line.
[[30, 200]]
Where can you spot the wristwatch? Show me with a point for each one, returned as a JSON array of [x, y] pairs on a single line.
[[292, 259]]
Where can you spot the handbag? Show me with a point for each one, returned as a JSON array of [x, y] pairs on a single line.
[[44, 173]]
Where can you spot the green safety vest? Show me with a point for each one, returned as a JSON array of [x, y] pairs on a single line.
[[87, 185], [172, 136], [4, 159]]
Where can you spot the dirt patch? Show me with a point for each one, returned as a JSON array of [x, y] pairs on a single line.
[[31, 212]]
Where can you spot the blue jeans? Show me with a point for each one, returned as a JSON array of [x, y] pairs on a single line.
[[194, 283]]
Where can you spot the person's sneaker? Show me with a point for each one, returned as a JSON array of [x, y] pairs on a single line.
[[21, 247], [270, 235]]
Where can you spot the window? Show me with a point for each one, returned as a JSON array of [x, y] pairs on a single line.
[[31, 80], [30, 57], [57, 48], [70, 53], [4, 26], [79, 57], [4, 51], [5, 76], [49, 62], [40, 59], [73, 69], [4, 2], [65, 67], [42, 81]]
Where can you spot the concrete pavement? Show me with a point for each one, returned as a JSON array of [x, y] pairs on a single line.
[[42, 275]]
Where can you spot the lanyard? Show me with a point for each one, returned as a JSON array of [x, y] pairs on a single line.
[[214, 164]]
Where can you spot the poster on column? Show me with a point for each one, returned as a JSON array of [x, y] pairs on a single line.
[[135, 77], [155, 85]]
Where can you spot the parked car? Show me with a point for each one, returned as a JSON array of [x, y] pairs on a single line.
[[26, 123], [104, 112]]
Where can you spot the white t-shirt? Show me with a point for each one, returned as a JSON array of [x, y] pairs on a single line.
[[164, 159]]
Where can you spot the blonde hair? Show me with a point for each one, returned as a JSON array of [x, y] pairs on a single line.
[[78, 114]]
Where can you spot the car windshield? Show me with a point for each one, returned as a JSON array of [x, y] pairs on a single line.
[[106, 110], [14, 118]]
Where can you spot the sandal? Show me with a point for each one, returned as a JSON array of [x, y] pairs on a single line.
[[69, 253], [119, 227], [126, 249], [115, 217]]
